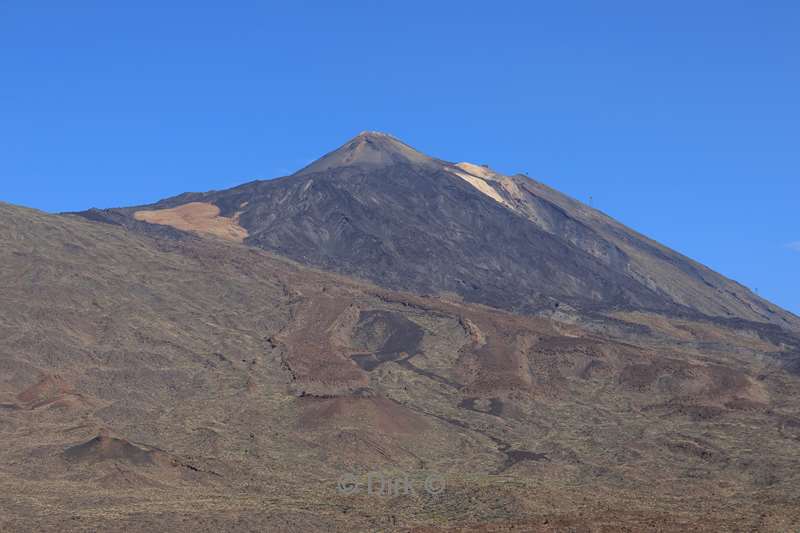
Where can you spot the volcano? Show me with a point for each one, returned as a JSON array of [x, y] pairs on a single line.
[[378, 209]]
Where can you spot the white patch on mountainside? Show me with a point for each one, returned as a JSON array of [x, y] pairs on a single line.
[[481, 185], [480, 171], [479, 177]]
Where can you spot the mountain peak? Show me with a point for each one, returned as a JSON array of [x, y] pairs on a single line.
[[369, 149], [375, 134]]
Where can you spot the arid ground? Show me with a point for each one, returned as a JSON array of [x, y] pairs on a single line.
[[194, 384]]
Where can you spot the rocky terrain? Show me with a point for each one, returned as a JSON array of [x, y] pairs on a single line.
[[219, 361]]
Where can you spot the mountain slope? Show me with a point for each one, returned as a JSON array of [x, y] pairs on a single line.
[[678, 278], [166, 381], [378, 209]]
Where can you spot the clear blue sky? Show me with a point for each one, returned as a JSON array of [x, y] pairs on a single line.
[[680, 119]]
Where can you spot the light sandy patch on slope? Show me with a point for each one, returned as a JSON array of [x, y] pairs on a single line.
[[480, 184], [197, 217], [487, 174], [480, 171]]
